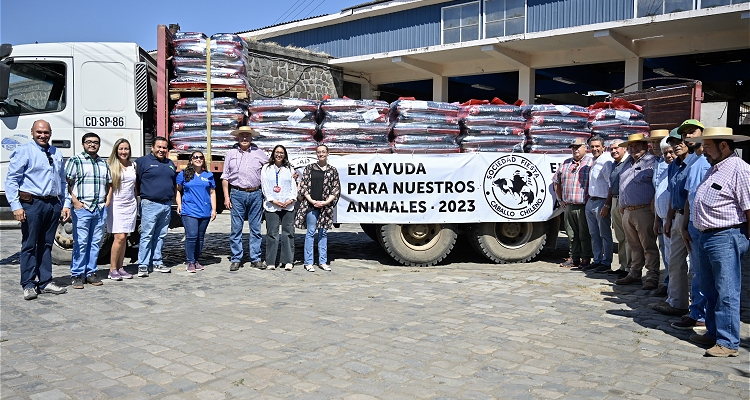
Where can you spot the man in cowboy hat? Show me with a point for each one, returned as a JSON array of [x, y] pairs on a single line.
[[678, 300], [636, 195], [696, 318], [571, 183], [721, 212], [242, 195], [665, 155]]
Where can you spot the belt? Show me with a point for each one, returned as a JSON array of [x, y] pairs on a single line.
[[679, 210], [709, 230], [245, 189], [631, 208], [44, 197], [596, 198]]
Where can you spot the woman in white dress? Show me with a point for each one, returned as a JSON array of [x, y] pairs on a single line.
[[121, 214]]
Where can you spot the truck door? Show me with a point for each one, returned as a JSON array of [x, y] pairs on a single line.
[[38, 89]]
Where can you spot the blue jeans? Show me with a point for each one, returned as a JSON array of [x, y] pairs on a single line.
[[88, 228], [312, 223], [697, 300], [245, 205], [154, 227], [37, 238], [721, 277], [601, 232], [195, 231]]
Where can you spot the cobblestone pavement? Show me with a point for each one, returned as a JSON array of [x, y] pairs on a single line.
[[369, 329]]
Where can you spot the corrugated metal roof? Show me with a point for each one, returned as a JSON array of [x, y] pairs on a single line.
[[369, 3], [281, 23]]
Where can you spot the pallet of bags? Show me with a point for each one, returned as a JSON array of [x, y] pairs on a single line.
[[189, 119], [424, 126], [287, 122], [491, 126], [354, 126], [229, 61], [552, 128], [617, 119]]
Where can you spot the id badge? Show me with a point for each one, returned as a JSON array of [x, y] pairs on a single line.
[[277, 189]]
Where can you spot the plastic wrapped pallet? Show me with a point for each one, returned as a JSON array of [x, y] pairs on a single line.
[[229, 60], [354, 126], [493, 127], [287, 122], [189, 130], [552, 128], [431, 127], [616, 120]]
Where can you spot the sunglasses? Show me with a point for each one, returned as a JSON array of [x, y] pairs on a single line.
[[199, 158]]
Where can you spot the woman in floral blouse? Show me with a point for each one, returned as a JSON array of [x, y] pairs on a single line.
[[321, 189]]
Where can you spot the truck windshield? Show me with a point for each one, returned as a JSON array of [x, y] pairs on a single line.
[[35, 88]]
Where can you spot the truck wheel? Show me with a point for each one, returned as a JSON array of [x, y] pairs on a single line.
[[509, 242], [418, 245], [371, 230], [62, 247]]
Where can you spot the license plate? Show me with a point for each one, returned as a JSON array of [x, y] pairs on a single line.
[[103, 122]]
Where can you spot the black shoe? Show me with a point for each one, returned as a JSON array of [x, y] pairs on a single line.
[[660, 292], [621, 273], [76, 282], [603, 268], [94, 280], [234, 266], [590, 266]]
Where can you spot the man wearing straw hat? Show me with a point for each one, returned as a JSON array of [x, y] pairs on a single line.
[[721, 212], [571, 183], [242, 195], [636, 195]]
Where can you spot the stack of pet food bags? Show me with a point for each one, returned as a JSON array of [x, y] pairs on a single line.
[[229, 60], [354, 126], [189, 130], [288, 122], [424, 126], [552, 128], [616, 120], [491, 126]]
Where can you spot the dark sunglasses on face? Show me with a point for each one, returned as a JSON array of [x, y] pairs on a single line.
[[198, 158]]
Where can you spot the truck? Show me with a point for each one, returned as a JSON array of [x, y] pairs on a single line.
[[413, 205]]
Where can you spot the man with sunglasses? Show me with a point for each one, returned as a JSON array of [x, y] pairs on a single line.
[[89, 183], [35, 182]]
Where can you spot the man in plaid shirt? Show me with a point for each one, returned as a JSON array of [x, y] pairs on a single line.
[[571, 187], [89, 183]]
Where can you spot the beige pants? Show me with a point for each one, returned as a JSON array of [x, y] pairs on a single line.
[[678, 266], [639, 232], [623, 250]]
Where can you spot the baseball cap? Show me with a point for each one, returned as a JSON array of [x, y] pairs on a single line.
[[690, 123]]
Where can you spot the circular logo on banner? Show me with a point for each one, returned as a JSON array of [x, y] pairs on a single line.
[[514, 187]]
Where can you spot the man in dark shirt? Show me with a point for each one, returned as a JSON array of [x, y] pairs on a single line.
[[155, 174]]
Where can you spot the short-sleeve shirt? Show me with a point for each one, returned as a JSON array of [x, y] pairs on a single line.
[[156, 178], [678, 172], [242, 168], [636, 181], [88, 179], [696, 173], [196, 197], [723, 197], [573, 179]]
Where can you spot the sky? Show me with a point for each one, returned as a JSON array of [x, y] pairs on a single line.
[[29, 21]]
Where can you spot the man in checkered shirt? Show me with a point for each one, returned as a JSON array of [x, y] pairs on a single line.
[[89, 183], [721, 212]]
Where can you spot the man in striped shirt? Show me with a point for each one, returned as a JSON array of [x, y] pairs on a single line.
[[89, 182], [721, 212]]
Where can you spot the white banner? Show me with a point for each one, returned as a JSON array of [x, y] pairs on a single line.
[[444, 188]]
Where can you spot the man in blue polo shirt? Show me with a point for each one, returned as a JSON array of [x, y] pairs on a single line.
[[156, 184]]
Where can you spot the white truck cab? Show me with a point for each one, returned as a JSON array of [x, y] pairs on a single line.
[[106, 88]]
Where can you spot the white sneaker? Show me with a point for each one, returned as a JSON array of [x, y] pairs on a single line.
[[325, 267], [162, 268], [142, 272], [288, 266]]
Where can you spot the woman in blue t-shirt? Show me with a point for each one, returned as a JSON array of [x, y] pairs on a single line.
[[196, 203]]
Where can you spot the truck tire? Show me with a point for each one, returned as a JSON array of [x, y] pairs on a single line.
[[509, 242], [371, 230], [62, 247], [417, 245]]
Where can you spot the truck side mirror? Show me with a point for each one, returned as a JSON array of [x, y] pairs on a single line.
[[4, 80], [5, 50]]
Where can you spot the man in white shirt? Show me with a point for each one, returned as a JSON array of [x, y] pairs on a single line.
[[600, 226]]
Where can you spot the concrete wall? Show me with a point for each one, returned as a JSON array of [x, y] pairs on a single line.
[[277, 71], [714, 114]]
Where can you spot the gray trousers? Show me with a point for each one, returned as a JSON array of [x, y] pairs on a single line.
[[286, 220], [579, 235]]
